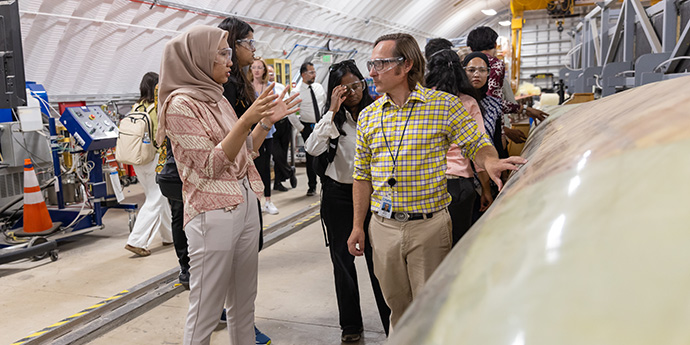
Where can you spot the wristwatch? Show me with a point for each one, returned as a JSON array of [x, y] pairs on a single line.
[[263, 125]]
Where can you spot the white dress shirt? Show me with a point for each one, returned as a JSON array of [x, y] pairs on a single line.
[[343, 164], [306, 109]]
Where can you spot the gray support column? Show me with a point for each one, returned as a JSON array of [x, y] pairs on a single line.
[[682, 48], [618, 33], [604, 35], [628, 32], [584, 33], [670, 24], [576, 57], [596, 42]]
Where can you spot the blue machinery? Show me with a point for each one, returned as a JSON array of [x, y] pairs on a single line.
[[94, 132]]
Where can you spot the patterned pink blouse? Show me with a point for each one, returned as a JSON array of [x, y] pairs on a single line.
[[209, 180]]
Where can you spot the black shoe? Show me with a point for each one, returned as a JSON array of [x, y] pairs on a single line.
[[293, 180], [222, 322], [311, 192], [184, 278], [279, 187], [351, 336]]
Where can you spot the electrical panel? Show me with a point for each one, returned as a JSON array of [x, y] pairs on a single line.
[[91, 128]]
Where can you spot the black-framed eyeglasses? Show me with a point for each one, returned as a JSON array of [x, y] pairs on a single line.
[[337, 65], [384, 65], [251, 44], [355, 87]]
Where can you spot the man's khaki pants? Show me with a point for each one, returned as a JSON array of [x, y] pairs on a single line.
[[406, 254]]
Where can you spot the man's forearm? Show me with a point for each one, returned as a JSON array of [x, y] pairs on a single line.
[[483, 153], [484, 180], [361, 195]]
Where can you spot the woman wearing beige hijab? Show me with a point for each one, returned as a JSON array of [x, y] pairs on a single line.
[[214, 151]]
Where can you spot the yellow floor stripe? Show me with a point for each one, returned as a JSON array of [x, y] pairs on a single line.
[[114, 297], [70, 318], [36, 334], [58, 323], [96, 306]]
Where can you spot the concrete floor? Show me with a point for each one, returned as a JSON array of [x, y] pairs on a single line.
[[296, 297]]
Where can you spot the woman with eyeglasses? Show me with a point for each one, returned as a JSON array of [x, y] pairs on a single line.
[[238, 90], [445, 73], [477, 69], [258, 76], [219, 180], [347, 96]]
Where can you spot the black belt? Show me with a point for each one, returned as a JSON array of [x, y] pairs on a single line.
[[405, 216], [327, 179]]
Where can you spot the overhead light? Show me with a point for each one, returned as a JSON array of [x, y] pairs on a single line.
[[504, 23], [490, 12]]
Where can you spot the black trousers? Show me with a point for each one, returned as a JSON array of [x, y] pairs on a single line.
[[281, 143], [337, 213], [461, 206], [311, 175], [263, 165], [173, 191]]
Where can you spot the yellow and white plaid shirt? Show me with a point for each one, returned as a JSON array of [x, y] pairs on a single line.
[[436, 120]]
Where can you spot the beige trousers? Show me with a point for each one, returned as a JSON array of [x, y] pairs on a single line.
[[406, 254], [223, 253]]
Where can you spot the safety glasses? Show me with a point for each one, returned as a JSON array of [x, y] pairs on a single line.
[[473, 70], [355, 87], [384, 65], [224, 56], [247, 43]]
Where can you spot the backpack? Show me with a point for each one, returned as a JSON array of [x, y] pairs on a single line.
[[322, 161], [135, 141]]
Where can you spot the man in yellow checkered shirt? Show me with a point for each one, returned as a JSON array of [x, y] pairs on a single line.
[[400, 163]]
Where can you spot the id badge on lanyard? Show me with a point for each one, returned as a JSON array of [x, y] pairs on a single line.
[[386, 209]]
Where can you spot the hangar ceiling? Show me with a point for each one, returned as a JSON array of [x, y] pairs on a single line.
[[96, 50]]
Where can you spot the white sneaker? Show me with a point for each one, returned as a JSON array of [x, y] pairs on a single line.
[[270, 208]]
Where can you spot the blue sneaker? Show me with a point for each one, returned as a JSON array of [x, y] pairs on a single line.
[[261, 339]]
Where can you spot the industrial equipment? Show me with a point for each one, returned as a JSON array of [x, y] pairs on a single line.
[[79, 195]]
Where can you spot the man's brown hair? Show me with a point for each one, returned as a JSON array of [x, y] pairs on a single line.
[[407, 47]]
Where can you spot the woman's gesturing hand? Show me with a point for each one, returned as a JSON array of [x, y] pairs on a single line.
[[284, 107], [262, 107]]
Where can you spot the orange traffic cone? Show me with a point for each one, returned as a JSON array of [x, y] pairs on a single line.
[[36, 217]]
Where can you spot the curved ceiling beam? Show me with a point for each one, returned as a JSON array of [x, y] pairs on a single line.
[[250, 20]]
